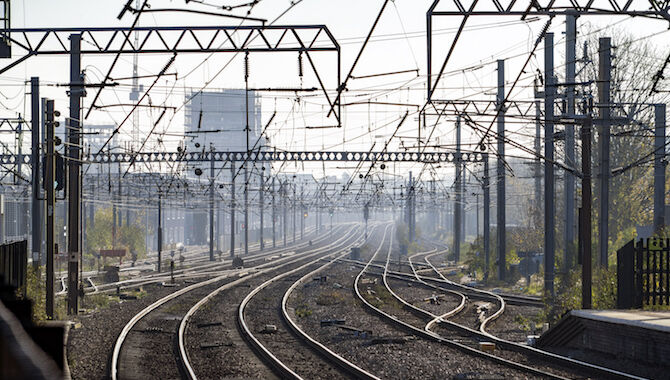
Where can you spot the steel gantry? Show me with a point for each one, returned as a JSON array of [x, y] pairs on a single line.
[[172, 40], [29, 42], [528, 8], [496, 111], [265, 156]]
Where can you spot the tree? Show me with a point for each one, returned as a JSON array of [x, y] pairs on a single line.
[[130, 237]]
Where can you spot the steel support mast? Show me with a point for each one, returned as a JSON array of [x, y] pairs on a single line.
[[35, 214], [74, 173], [604, 78], [500, 209], [549, 180], [570, 70], [659, 167]]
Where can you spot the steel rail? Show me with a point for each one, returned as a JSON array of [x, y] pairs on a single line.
[[452, 312], [558, 359], [185, 361], [501, 301], [345, 364], [435, 337], [274, 362], [408, 277], [243, 273], [182, 273]]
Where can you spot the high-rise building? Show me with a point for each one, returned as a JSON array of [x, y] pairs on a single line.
[[217, 120]]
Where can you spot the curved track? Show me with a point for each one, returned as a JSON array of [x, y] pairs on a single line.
[[277, 351], [448, 327], [167, 309]]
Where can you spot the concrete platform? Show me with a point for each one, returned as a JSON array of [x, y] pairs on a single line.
[[635, 335], [653, 320]]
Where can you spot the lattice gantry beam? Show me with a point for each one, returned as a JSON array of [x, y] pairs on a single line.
[[193, 39], [514, 108], [149, 157], [645, 8], [657, 9]]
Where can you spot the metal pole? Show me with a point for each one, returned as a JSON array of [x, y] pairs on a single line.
[[219, 229], [302, 211], [549, 206], [262, 204], [50, 207], [274, 216], [159, 234], [114, 216], [119, 217], [464, 201], [318, 209], [604, 77], [487, 216], [74, 171], [585, 216], [282, 190], [232, 208], [458, 200], [211, 207], [500, 209], [570, 69], [538, 151], [294, 214], [246, 210], [433, 212], [659, 167], [35, 215], [246, 162], [477, 213], [410, 191]]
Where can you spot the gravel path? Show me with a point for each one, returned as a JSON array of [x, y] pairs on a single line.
[[264, 309], [215, 325], [425, 297], [150, 349]]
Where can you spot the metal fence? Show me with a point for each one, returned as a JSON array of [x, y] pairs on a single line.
[[14, 264], [643, 273]]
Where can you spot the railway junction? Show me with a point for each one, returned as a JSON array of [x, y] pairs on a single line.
[[308, 189]]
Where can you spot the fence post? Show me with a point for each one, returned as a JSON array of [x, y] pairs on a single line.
[[638, 273]]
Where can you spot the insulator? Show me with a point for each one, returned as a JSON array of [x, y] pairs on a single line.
[[300, 67], [246, 66]]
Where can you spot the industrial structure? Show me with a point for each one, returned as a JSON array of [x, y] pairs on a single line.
[[499, 205]]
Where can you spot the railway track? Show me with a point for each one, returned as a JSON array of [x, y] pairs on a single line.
[[412, 319], [280, 351], [347, 365], [456, 331], [207, 269], [232, 302], [152, 332]]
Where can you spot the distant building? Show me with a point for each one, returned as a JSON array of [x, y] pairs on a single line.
[[97, 135], [217, 120]]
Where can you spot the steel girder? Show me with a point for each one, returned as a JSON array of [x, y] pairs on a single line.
[[273, 156]]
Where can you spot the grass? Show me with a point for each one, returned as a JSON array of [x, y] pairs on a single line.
[[36, 292], [381, 298], [98, 301], [329, 298], [303, 311]]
